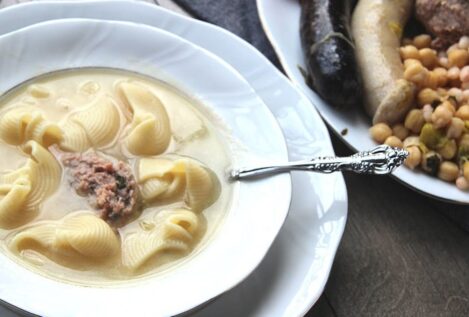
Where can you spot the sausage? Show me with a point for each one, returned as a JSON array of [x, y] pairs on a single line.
[[377, 27], [329, 51]]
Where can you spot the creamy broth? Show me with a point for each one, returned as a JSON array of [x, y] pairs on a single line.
[[195, 146]]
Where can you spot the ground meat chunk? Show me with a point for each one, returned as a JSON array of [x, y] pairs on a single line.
[[448, 20], [110, 187]]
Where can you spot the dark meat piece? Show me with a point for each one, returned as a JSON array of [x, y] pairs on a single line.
[[110, 187], [448, 20], [329, 51]]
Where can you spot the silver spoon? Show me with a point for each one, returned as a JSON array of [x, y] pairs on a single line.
[[379, 161]]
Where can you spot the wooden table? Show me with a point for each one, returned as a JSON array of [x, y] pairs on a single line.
[[402, 254]]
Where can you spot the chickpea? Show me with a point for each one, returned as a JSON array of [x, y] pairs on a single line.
[[456, 93], [449, 149], [414, 120], [443, 61], [449, 105], [416, 73], [448, 171], [428, 57], [400, 131], [463, 140], [427, 111], [414, 158], [442, 75], [427, 96], [380, 132], [465, 95], [458, 57], [465, 171], [465, 86], [442, 92], [422, 41], [452, 48], [462, 183], [464, 42], [464, 74], [441, 117], [431, 81], [393, 141], [409, 51], [453, 73], [455, 129], [411, 61], [463, 112]]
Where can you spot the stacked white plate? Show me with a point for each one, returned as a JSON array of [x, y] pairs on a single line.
[[293, 274]]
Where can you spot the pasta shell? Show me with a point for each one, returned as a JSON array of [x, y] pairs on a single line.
[[13, 201], [88, 235], [150, 131], [163, 178], [13, 125], [76, 235], [100, 121], [95, 126], [11, 177], [75, 138], [43, 131], [148, 137], [25, 189], [22, 124], [160, 178], [172, 230], [200, 186], [45, 174], [38, 237], [154, 167], [153, 188], [176, 186]]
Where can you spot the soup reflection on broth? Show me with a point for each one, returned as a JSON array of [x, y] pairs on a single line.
[[107, 176]]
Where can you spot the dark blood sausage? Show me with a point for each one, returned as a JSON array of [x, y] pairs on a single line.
[[329, 51], [448, 20], [110, 187]]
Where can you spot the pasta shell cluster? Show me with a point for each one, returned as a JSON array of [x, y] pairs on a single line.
[[149, 132], [170, 230], [163, 178], [83, 234], [23, 123], [95, 126], [22, 191], [78, 234]]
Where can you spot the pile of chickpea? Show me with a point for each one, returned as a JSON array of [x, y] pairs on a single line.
[[436, 131]]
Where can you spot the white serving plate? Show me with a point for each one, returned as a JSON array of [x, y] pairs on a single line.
[[247, 231], [293, 274], [281, 22]]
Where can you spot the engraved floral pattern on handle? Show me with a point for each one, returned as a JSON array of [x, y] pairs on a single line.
[[379, 161]]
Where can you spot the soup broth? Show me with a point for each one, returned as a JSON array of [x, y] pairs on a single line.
[[108, 176]]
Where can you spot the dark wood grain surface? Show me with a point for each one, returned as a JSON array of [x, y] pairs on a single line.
[[402, 254]]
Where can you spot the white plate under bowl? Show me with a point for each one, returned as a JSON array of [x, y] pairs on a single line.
[[292, 276], [281, 21], [259, 207]]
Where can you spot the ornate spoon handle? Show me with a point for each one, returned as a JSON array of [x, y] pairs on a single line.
[[380, 160]]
